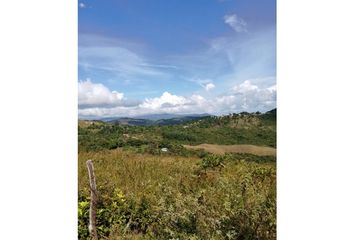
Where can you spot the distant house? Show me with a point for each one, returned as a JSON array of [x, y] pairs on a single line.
[[164, 150]]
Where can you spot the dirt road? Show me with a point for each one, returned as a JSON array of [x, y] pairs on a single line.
[[221, 149]]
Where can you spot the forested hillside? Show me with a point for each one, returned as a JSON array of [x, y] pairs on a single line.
[[242, 128]]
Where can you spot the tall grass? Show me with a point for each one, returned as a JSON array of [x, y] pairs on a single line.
[[145, 196]]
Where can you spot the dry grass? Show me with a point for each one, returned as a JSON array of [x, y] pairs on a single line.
[[221, 149], [179, 197], [133, 173]]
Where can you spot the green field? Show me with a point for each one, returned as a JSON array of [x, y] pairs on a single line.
[[179, 193]]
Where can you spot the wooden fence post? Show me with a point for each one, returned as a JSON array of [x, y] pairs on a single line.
[[93, 203]]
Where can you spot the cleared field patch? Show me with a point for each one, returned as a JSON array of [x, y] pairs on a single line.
[[221, 149]]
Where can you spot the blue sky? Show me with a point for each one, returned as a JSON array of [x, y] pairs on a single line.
[[176, 56]]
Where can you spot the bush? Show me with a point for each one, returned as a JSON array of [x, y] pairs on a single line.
[[212, 161], [249, 157], [135, 142], [110, 210], [179, 136]]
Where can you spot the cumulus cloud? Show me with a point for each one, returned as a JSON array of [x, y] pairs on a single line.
[[250, 97], [97, 95], [96, 100], [165, 101], [82, 5], [245, 87], [170, 103], [236, 23]]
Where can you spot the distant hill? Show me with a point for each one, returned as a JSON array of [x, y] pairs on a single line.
[[179, 120], [273, 111], [154, 119], [130, 121], [173, 119], [170, 116]]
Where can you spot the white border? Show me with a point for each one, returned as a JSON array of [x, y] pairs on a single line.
[[315, 123], [38, 179], [38, 135]]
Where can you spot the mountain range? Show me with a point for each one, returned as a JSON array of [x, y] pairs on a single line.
[[163, 119], [154, 119]]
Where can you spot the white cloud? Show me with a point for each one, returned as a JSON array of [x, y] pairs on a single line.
[[209, 86], [169, 103], [96, 95], [98, 101], [272, 88], [166, 100], [205, 83], [249, 97], [236, 23], [245, 87], [119, 60], [82, 5], [166, 103]]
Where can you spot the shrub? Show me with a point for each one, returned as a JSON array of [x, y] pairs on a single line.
[[110, 210], [179, 136], [212, 161]]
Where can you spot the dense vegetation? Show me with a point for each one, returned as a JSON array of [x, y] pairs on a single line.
[[244, 128], [146, 193]]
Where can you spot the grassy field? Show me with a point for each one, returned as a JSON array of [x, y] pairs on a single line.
[[145, 193]]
